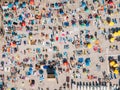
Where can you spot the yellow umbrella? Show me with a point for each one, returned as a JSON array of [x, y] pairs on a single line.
[[101, 28], [112, 39], [116, 65], [119, 33], [112, 63], [115, 34], [17, 57], [8, 89], [105, 22], [30, 37], [116, 71], [89, 46], [111, 23], [29, 42]]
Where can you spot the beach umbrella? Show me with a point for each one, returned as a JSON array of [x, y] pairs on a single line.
[[80, 60], [112, 63], [87, 24], [95, 48], [118, 33], [65, 53], [6, 15], [45, 67], [31, 65], [111, 23], [87, 61], [108, 19], [74, 24], [16, 2], [8, 89], [56, 5], [112, 39], [97, 42], [65, 62], [23, 23], [28, 73], [71, 58], [82, 24], [83, 4], [13, 89], [66, 23], [10, 5], [87, 36], [14, 8], [9, 23], [110, 2], [89, 45], [31, 2], [95, 1], [23, 4], [84, 70], [20, 17], [115, 34], [116, 71], [30, 68], [115, 65], [86, 9], [61, 11], [41, 78], [40, 71], [57, 38], [54, 48], [92, 39]]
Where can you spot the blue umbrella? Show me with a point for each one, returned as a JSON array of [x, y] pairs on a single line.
[[86, 9], [56, 75], [32, 22], [87, 24], [64, 60], [65, 53], [103, 2], [16, 3], [56, 5], [80, 60], [41, 78], [9, 23], [61, 11], [20, 17], [45, 67], [87, 61], [30, 69], [49, 14], [23, 4], [13, 33], [31, 65], [66, 23], [10, 5], [28, 73], [74, 24], [13, 89], [40, 71], [83, 4], [6, 15]]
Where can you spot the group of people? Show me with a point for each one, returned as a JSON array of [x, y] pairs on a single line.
[[40, 33]]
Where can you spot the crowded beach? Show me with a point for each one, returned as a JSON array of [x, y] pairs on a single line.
[[59, 45]]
